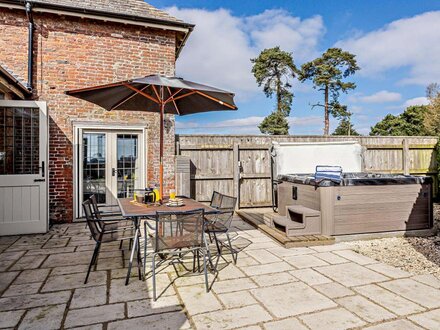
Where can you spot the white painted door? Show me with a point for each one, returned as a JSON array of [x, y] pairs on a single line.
[[111, 166], [23, 167]]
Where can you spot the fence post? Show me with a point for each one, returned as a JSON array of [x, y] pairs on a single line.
[[236, 184], [405, 156]]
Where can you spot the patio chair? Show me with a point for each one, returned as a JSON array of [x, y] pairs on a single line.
[[220, 224], [170, 238], [104, 232], [110, 215]]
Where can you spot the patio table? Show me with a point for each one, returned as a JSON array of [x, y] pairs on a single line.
[[136, 211]]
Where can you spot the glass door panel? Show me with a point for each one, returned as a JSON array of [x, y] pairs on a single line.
[[127, 164], [94, 166]]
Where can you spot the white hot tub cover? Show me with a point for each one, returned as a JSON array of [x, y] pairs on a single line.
[[303, 157]]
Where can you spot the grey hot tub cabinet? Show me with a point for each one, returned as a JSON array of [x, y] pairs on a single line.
[[356, 207]]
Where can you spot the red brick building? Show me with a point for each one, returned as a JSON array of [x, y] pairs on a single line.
[[76, 44]]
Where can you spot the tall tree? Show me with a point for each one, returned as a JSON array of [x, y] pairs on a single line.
[[432, 117], [408, 123], [327, 73], [273, 69], [345, 127]]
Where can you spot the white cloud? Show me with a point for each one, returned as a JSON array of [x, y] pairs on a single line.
[[380, 97], [416, 101], [219, 50], [249, 125], [412, 43]]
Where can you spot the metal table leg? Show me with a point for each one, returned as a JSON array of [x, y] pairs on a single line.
[[133, 249]]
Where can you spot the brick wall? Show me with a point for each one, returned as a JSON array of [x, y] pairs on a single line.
[[73, 53]]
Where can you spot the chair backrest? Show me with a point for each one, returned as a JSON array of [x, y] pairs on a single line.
[[228, 203], [92, 221], [216, 200], [95, 207], [227, 208], [179, 230]]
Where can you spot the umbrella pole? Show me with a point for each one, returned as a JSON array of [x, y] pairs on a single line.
[[162, 108]]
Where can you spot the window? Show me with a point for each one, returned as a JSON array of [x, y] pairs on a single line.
[[19, 140]]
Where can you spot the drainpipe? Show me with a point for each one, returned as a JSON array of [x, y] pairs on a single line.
[[30, 44]]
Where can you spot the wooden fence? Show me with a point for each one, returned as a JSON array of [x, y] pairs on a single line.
[[240, 165]]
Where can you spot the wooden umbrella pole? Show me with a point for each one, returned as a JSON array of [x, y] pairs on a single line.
[[162, 110]]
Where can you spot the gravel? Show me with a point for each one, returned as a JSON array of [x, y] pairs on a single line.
[[417, 255]]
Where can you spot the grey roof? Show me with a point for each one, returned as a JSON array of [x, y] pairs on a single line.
[[13, 78], [135, 8]]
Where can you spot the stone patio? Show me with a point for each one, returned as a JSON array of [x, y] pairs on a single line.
[[323, 287]]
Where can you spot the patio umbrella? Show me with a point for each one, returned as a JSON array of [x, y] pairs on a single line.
[[161, 94]]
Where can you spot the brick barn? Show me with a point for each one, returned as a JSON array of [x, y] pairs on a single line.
[[50, 46]]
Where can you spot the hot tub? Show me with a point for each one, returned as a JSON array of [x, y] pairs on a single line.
[[360, 202]]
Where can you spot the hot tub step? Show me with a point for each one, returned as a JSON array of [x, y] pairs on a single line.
[[260, 218]]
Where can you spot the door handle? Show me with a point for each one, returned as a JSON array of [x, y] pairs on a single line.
[[39, 180], [113, 171], [42, 169]]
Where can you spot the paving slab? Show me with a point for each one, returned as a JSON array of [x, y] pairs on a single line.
[[232, 318], [273, 279], [290, 323], [234, 299], [175, 320], [229, 272], [395, 325], [149, 306], [351, 274], [355, 257], [72, 281], [428, 279], [415, 291], [332, 247], [310, 276], [333, 290], [233, 285], [197, 300], [32, 275], [34, 300], [365, 309], [136, 290], [389, 300], [91, 315], [22, 289], [263, 256], [276, 267], [68, 259], [305, 261], [44, 318], [335, 319], [291, 299], [6, 278], [331, 258], [387, 270], [284, 252], [10, 319], [429, 320], [28, 262], [88, 297]]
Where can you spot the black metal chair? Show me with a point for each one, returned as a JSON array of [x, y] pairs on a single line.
[[105, 231], [170, 238], [220, 224], [111, 215]]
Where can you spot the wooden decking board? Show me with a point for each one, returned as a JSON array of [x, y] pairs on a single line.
[[256, 219]]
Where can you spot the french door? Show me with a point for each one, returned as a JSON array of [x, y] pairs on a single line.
[[112, 164], [23, 167]]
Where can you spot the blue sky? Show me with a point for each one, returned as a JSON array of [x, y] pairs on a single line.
[[396, 42]]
